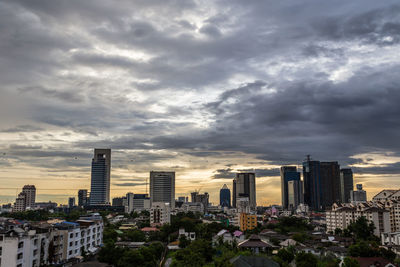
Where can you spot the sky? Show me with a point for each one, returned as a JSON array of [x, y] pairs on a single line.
[[202, 88]]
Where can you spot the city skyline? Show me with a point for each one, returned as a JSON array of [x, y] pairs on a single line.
[[204, 89]]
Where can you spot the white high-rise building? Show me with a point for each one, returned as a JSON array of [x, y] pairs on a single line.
[[160, 213], [162, 187]]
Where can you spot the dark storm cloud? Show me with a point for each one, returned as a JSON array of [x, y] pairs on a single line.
[[22, 128], [263, 78]]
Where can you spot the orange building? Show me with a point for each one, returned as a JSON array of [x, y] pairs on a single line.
[[247, 221]]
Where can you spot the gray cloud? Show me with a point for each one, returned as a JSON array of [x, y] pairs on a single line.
[[161, 80]]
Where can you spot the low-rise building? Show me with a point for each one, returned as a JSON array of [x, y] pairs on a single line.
[[160, 213], [247, 221]]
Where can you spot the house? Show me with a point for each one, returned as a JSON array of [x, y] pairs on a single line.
[[256, 244], [189, 235]]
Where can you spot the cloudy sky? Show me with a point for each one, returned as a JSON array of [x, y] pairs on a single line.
[[204, 88]]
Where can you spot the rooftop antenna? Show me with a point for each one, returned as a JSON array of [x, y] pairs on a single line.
[[146, 185]]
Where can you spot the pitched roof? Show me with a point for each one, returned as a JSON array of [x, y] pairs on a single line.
[[372, 261], [255, 242]]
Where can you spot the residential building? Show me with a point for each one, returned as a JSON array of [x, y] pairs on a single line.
[[247, 221], [294, 194], [244, 185], [225, 196], [342, 215], [100, 180], [288, 173], [346, 184], [162, 187], [55, 242], [20, 203], [359, 195], [30, 196], [82, 197], [71, 202], [387, 194], [160, 213]]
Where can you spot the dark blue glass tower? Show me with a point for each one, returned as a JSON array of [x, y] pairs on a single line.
[[225, 197], [288, 173]]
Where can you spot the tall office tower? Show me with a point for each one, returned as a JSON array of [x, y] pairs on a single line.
[[100, 184], [295, 194], [225, 196], [330, 177], [71, 202], [244, 185], [346, 184], [82, 197], [358, 196], [193, 195], [312, 184], [288, 173], [30, 195], [162, 187]]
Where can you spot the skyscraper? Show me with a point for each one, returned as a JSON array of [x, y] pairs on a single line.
[[71, 202], [295, 194], [82, 197], [346, 184], [30, 195], [312, 184], [244, 185], [330, 178], [288, 173], [100, 183], [162, 187], [225, 196]]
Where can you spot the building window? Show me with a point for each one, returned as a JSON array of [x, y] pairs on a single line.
[[71, 235], [34, 252], [19, 256], [70, 252], [35, 242], [20, 244]]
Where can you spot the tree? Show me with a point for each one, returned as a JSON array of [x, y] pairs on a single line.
[[135, 236], [363, 249], [285, 255], [306, 260], [362, 229], [338, 231], [183, 241], [350, 262]]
